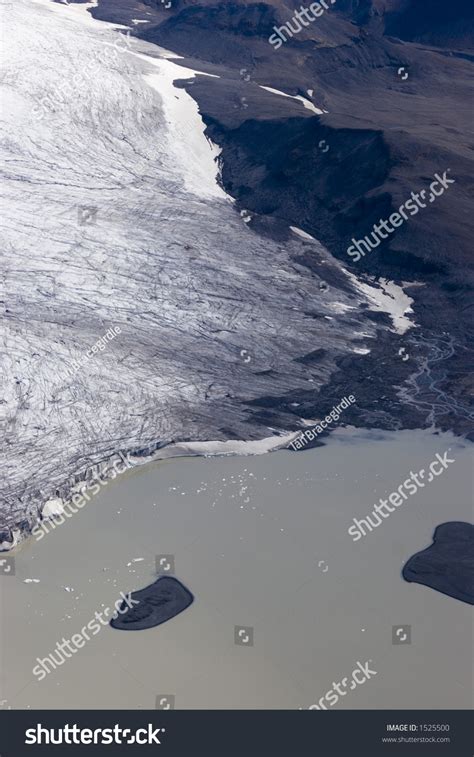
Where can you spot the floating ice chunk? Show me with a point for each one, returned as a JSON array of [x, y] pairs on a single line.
[[53, 507]]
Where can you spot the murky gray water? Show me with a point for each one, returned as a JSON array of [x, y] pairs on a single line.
[[261, 542]]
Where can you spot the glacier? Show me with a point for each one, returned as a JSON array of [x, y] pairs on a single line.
[[112, 216]]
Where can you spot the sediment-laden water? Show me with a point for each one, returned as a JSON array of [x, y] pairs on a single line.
[[261, 542]]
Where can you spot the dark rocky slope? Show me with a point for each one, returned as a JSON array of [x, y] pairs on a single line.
[[386, 133]]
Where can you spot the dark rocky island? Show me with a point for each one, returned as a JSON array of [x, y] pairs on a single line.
[[157, 603], [447, 565]]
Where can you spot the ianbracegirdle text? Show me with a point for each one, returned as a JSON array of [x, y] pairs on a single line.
[[311, 433]]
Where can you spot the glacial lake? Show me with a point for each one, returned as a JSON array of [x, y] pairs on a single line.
[[262, 543]]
